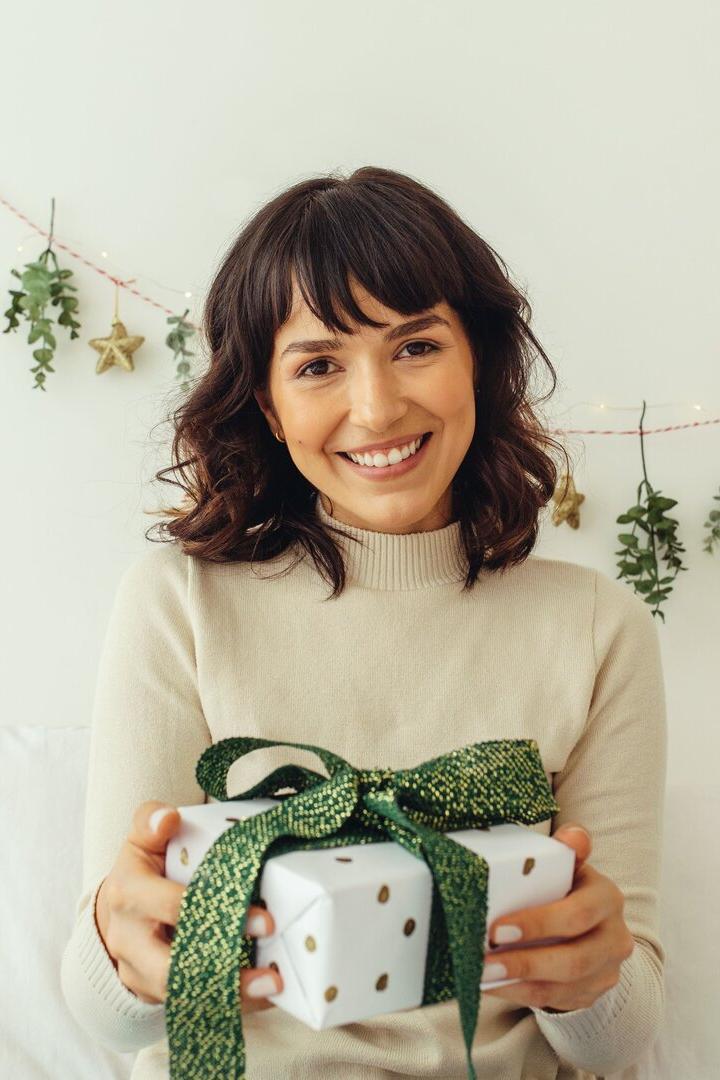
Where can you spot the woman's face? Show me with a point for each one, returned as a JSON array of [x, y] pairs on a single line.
[[325, 397]]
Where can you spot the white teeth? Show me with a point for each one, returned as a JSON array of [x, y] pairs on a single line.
[[381, 459]]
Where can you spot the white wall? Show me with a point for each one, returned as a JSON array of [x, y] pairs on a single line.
[[579, 139]]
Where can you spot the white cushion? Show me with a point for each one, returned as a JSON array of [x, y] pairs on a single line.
[[42, 804]]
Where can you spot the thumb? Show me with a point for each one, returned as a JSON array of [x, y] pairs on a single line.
[[577, 838], [153, 824]]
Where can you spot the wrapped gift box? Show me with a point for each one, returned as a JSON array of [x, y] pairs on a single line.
[[352, 923]]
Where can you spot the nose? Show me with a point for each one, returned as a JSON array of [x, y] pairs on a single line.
[[376, 400]]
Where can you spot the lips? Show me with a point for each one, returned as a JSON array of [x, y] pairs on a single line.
[[390, 472], [423, 440]]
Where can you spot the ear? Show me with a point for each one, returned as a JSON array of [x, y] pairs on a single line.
[[262, 400]]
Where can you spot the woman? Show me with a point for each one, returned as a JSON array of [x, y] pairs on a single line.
[[352, 315]]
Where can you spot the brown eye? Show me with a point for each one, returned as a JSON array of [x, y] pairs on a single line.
[[301, 372], [426, 344]]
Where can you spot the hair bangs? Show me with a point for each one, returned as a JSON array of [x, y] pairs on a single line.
[[347, 233]]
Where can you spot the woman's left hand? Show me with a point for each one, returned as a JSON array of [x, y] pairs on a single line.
[[573, 974]]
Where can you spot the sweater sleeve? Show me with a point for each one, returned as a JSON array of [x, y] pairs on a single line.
[[613, 784], [147, 732]]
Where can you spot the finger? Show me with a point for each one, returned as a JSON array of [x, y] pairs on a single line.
[[260, 922], [576, 837], [579, 959], [146, 894], [152, 826], [593, 899], [256, 984]]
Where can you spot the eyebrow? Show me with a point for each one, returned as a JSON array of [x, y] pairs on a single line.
[[413, 326]]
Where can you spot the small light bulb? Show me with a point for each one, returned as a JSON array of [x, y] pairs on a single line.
[[697, 406], [20, 247], [188, 295], [104, 254], [601, 405]]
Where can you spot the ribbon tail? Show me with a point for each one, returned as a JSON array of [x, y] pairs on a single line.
[[203, 1001], [202, 1006], [461, 877]]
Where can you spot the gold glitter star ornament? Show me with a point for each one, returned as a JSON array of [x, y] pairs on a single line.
[[567, 501], [117, 348]]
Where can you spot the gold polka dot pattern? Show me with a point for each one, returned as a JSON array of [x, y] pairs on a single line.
[[471, 787]]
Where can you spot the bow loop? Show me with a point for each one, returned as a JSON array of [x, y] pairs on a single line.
[[214, 764]]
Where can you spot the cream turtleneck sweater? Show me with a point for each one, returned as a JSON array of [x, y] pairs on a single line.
[[401, 667]]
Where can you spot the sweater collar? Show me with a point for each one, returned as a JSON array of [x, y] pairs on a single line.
[[393, 561]]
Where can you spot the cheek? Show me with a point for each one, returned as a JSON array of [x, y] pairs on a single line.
[[309, 428], [450, 394]]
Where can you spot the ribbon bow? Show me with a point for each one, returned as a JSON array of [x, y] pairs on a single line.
[[478, 785]]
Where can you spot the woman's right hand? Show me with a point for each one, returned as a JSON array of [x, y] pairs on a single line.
[[136, 902]]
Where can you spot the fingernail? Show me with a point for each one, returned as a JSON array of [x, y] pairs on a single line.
[[263, 986], [494, 971], [256, 925], [503, 935], [157, 816]]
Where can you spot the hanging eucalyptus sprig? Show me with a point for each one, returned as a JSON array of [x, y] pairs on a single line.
[[177, 340], [639, 561], [41, 285], [713, 524]]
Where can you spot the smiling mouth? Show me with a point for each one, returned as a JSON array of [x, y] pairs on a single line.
[[424, 438], [389, 472]]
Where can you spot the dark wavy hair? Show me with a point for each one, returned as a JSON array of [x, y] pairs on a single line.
[[245, 500]]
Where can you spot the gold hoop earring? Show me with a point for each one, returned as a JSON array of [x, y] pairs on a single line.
[[278, 437]]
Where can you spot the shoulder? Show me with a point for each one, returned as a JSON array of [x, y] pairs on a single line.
[[163, 569], [549, 588], [615, 617], [158, 559], [583, 597], [560, 574], [594, 607], [610, 597]]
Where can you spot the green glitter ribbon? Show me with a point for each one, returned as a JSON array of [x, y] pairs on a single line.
[[476, 786]]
